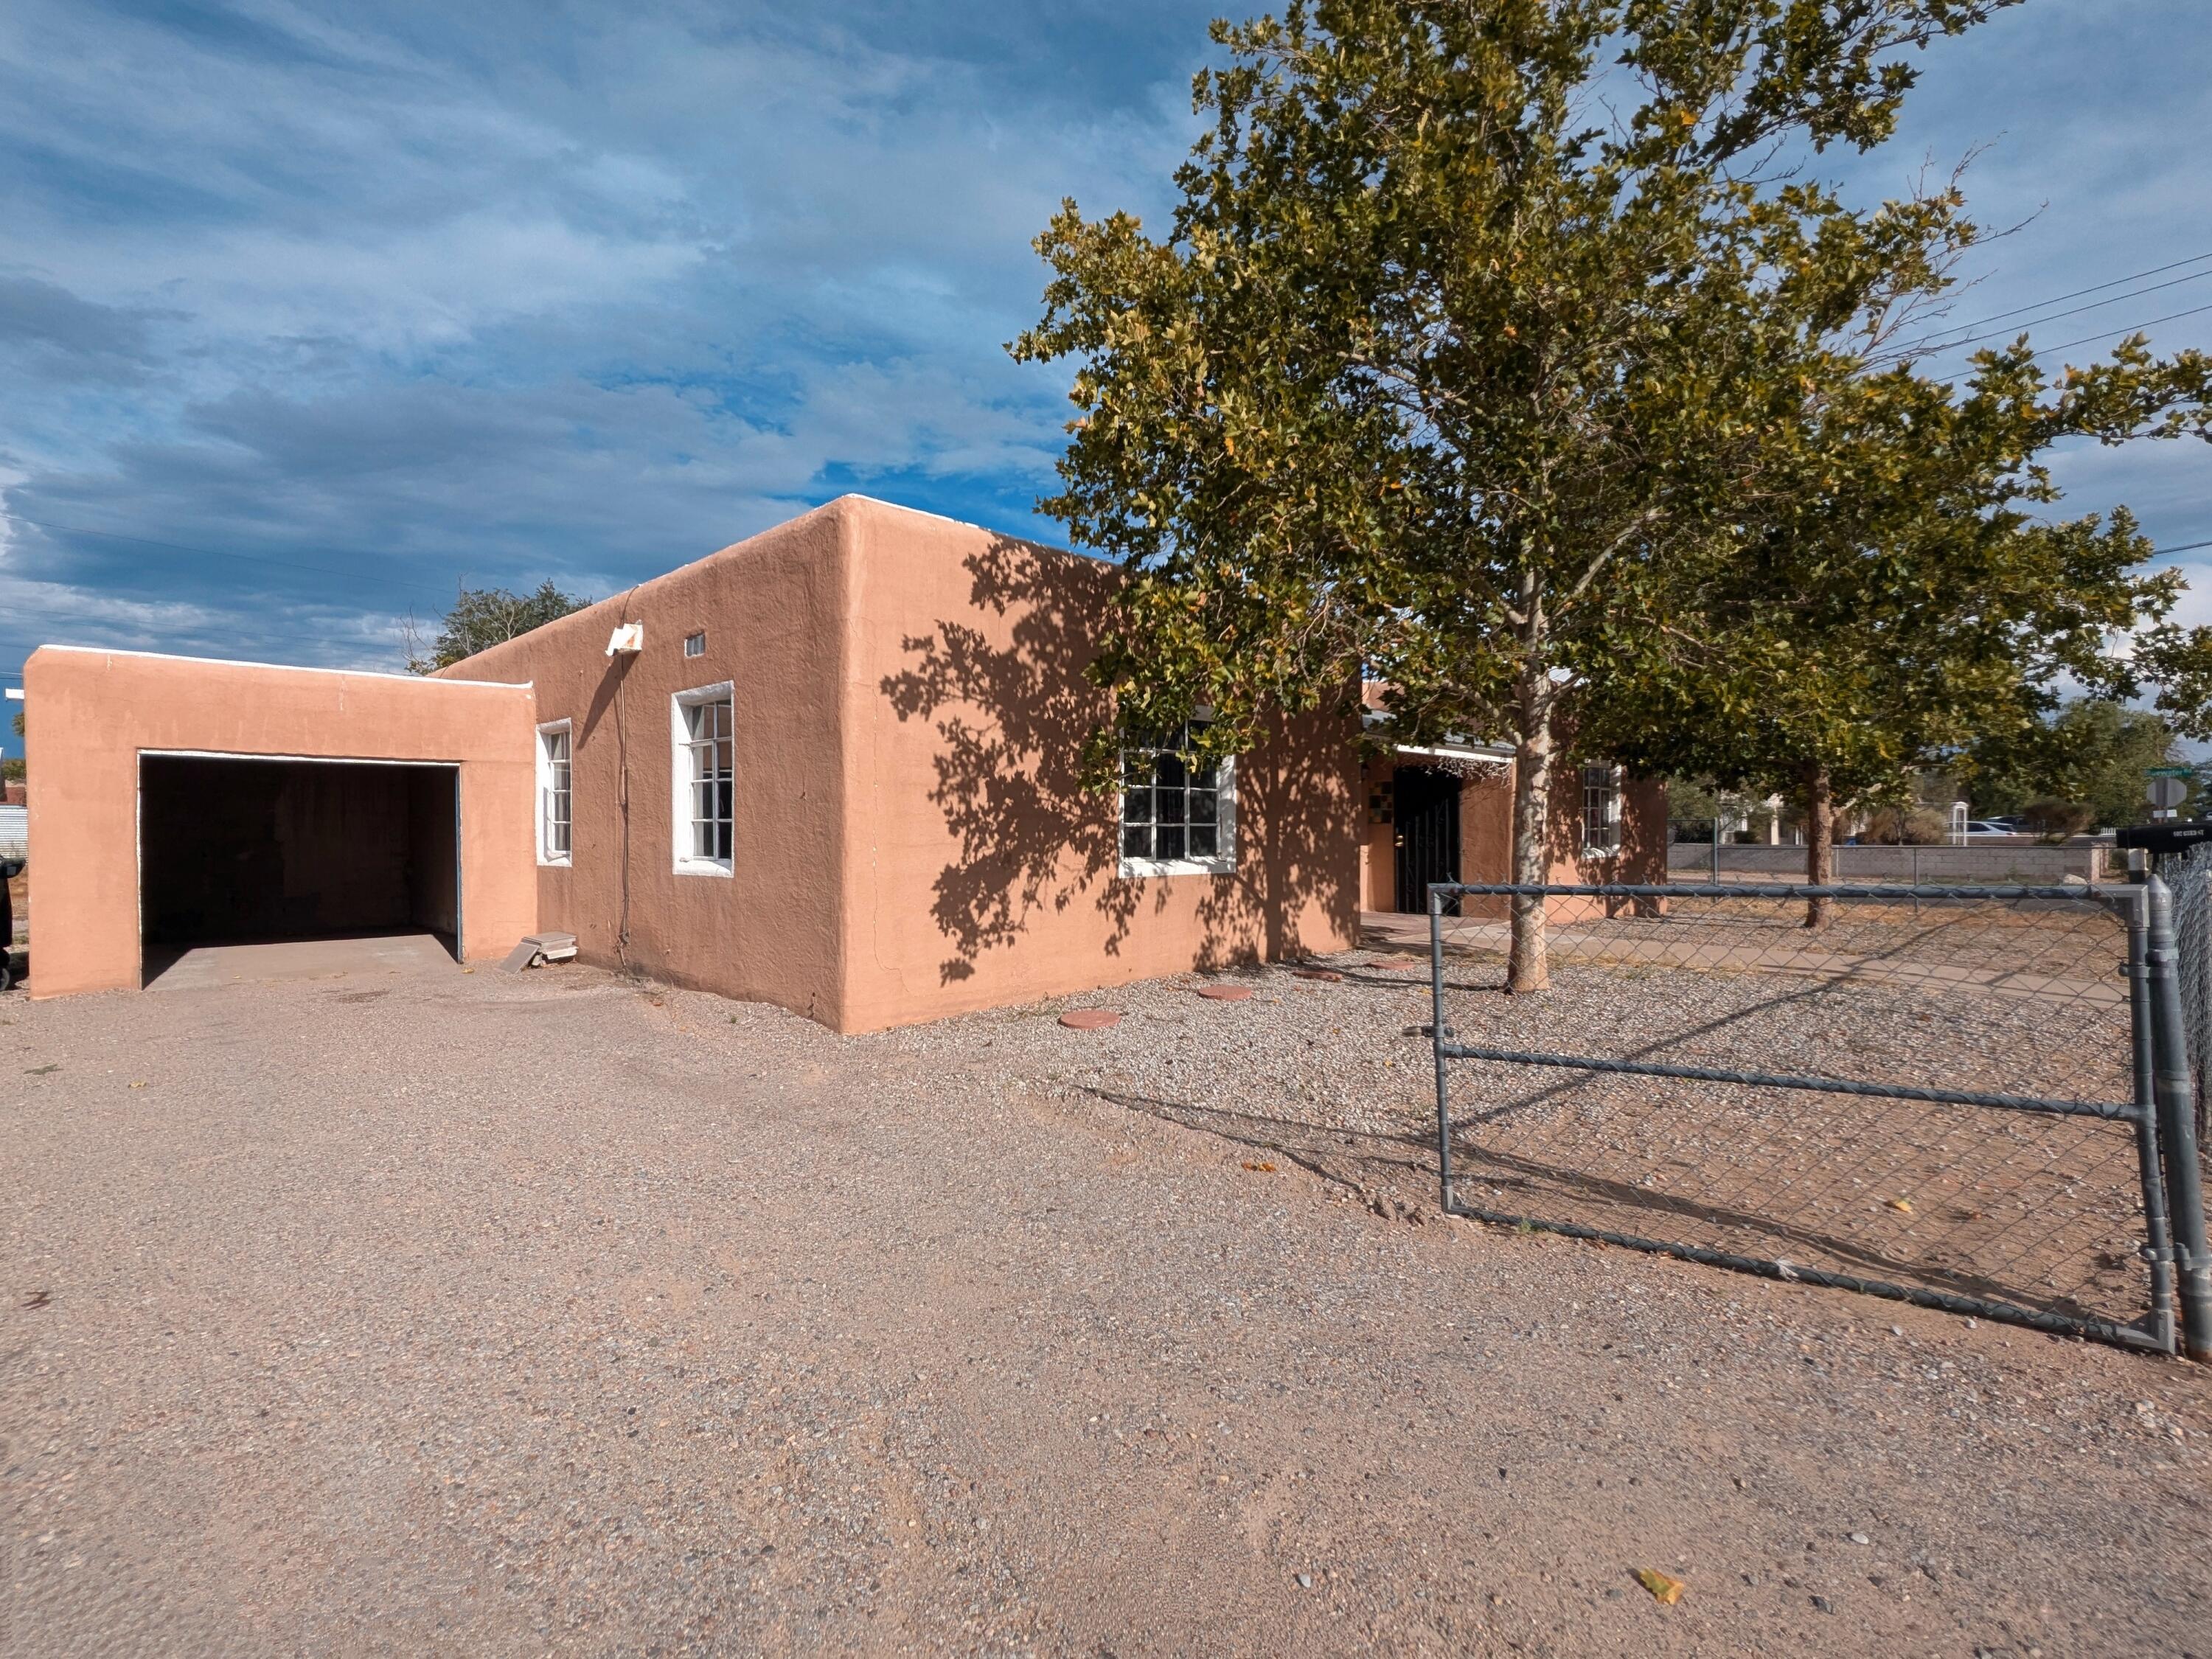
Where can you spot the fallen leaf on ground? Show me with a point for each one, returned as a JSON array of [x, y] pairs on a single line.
[[1262, 1169], [1665, 1591], [1903, 1206]]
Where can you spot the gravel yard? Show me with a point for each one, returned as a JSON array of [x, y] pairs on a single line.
[[469, 1313]]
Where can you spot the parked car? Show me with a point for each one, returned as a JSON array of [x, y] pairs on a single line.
[[1980, 827]]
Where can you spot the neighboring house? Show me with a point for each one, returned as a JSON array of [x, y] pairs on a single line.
[[836, 767]]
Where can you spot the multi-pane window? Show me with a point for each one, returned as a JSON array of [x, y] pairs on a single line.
[[1600, 809], [554, 772], [695, 645], [705, 777], [1176, 808]]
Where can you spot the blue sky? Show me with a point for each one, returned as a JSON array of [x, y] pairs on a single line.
[[330, 307]]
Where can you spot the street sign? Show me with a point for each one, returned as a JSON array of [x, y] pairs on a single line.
[[2169, 771], [2165, 792]]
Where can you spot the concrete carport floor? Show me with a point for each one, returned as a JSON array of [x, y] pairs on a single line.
[[238, 851]]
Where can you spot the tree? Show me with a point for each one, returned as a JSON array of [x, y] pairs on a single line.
[[2092, 755], [483, 616], [1473, 319], [1902, 603], [15, 766]]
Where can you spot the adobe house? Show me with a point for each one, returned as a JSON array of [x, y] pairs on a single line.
[[833, 767]]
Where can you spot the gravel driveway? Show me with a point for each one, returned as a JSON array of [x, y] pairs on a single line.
[[477, 1314]]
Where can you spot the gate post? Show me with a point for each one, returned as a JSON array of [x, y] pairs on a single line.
[[2177, 1124], [2158, 1237], [1437, 1047]]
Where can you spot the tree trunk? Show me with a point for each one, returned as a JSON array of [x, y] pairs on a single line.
[[1529, 968], [1819, 842]]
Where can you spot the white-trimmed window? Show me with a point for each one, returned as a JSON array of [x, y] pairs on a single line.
[[1178, 812], [701, 729], [1600, 809], [556, 768]]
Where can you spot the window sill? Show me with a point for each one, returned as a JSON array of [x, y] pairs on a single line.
[[1600, 855], [563, 863], [702, 867], [1145, 869]]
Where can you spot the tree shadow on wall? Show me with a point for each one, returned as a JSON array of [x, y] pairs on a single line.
[[1005, 691], [1012, 715]]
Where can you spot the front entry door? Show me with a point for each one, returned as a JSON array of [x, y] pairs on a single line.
[[1426, 809]]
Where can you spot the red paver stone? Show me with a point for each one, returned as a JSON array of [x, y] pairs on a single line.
[[1089, 1019]]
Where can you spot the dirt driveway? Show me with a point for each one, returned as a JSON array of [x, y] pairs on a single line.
[[472, 1314]]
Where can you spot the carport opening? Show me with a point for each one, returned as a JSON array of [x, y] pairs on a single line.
[[240, 851]]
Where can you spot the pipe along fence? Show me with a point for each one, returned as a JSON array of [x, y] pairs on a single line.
[[1972, 1098]]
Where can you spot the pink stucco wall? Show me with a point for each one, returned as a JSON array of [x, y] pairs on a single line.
[[97, 711], [978, 871], [911, 837], [773, 611]]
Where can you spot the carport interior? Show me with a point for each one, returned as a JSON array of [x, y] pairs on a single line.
[[236, 850]]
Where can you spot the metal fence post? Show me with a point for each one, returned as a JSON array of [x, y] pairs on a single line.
[[2177, 1123], [2158, 1238], [1437, 1047]]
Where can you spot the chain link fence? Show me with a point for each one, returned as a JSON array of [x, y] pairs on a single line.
[[1947, 1095]]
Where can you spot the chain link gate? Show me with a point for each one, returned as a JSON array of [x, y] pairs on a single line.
[[1973, 1098]]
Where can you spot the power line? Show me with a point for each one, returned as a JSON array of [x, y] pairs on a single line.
[[2094, 287], [1975, 339], [2133, 328]]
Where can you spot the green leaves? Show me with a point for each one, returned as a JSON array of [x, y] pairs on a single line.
[[483, 616], [1481, 359]]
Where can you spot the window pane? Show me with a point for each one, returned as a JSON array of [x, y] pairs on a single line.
[[1204, 807], [1202, 776], [1168, 841], [1205, 841], [1167, 806], [1136, 806], [1136, 842], [1172, 772]]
